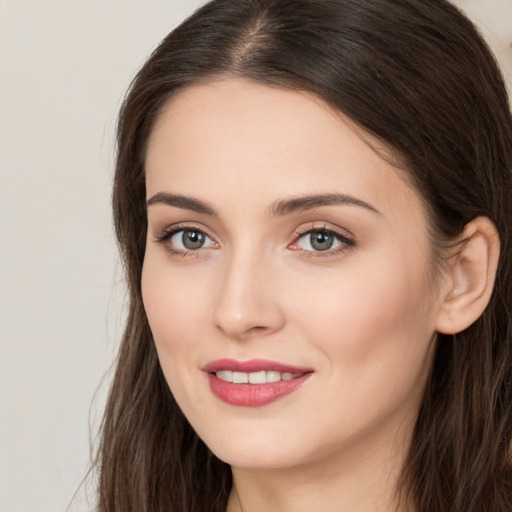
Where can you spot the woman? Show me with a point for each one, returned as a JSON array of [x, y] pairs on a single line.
[[312, 199]]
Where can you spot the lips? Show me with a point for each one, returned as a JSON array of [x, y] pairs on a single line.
[[253, 383]]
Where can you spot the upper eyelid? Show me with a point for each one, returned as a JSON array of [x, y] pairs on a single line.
[[342, 232], [176, 228]]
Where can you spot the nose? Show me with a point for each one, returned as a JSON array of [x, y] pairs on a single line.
[[248, 302]]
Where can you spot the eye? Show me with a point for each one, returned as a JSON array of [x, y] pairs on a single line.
[[318, 241], [184, 240], [322, 240], [188, 239]]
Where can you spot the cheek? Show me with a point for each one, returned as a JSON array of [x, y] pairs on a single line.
[[372, 322], [173, 301], [176, 312]]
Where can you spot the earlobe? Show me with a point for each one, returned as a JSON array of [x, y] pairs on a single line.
[[472, 271]]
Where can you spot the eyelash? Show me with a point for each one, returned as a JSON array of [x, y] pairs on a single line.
[[345, 242]]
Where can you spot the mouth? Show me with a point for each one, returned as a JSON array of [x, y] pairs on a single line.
[[253, 383]]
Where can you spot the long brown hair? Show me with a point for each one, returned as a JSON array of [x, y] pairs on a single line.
[[416, 75]]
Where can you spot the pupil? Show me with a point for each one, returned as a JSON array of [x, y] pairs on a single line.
[[321, 241], [193, 239]]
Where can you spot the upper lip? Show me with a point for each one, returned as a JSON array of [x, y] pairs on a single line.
[[252, 365]]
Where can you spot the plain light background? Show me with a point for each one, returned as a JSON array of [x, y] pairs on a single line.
[[64, 68]]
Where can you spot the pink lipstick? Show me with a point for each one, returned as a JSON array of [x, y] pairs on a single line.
[[255, 382]]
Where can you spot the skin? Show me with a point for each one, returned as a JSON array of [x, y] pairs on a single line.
[[362, 316]]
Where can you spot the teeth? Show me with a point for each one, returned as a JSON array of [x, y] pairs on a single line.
[[261, 377], [258, 377], [240, 378], [273, 376], [225, 375]]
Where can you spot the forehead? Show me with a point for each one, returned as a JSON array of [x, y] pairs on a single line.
[[240, 140]]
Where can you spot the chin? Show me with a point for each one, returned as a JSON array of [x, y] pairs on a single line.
[[256, 448], [257, 458]]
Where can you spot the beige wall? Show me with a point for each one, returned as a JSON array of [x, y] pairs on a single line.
[[64, 67], [494, 18]]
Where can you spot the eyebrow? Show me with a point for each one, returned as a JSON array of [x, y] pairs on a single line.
[[294, 204], [179, 201], [279, 208]]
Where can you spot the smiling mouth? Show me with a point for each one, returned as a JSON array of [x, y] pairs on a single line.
[[254, 383]]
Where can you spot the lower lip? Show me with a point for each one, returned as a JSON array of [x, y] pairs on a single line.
[[254, 395]]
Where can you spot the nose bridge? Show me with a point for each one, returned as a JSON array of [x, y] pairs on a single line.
[[247, 301]]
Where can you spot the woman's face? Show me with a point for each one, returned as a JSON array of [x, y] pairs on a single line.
[[282, 250]]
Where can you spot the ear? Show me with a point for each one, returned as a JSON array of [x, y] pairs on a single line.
[[470, 276]]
